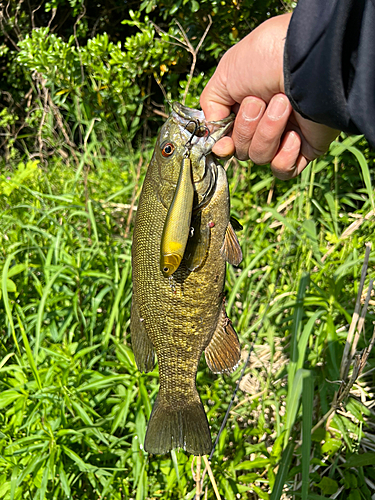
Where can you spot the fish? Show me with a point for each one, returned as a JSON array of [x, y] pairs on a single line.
[[182, 239]]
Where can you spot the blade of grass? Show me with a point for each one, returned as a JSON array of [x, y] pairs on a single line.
[[115, 308], [6, 298], [365, 172], [46, 292], [29, 353], [282, 472], [307, 412]]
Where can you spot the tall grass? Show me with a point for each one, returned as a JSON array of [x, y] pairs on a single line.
[[74, 408]]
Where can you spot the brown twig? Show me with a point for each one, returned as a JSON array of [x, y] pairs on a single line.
[[270, 192], [54, 10], [185, 44], [76, 40], [345, 362], [197, 476], [212, 478], [32, 16], [193, 52], [349, 355], [60, 123], [45, 111], [160, 113], [361, 320]]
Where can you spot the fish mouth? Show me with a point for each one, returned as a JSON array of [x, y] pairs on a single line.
[[194, 121]]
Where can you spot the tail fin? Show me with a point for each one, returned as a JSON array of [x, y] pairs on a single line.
[[185, 428]]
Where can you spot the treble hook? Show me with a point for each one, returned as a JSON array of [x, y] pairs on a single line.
[[197, 128], [188, 144]]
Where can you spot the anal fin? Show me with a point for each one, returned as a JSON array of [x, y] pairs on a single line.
[[142, 348], [223, 353], [231, 250]]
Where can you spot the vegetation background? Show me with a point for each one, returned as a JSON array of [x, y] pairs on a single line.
[[80, 107]]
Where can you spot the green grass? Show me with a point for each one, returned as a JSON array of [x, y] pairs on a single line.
[[74, 408]]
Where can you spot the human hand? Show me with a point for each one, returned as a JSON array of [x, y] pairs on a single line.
[[249, 80]]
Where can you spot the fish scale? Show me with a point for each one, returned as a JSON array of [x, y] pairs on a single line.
[[179, 317]]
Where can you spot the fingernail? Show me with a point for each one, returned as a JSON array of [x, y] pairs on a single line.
[[277, 108], [289, 141], [252, 109]]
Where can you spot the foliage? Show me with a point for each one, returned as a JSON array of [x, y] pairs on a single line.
[[74, 407], [77, 126], [113, 73]]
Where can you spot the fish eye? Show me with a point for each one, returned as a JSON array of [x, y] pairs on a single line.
[[167, 150]]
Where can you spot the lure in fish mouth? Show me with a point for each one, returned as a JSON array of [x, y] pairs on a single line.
[[177, 227], [182, 240]]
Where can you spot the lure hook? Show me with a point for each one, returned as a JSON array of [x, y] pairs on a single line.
[[188, 144], [197, 127]]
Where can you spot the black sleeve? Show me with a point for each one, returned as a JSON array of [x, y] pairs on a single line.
[[329, 64]]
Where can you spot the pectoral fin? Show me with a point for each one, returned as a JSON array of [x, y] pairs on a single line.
[[142, 348], [237, 226], [223, 353], [231, 250], [198, 244]]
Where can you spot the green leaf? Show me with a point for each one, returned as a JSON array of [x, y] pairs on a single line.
[[11, 286], [82, 413], [46, 292], [360, 460], [13, 482], [282, 472], [331, 446], [294, 401], [83, 466], [115, 308], [64, 480], [194, 6], [122, 413], [17, 269], [328, 486], [5, 294], [253, 464], [29, 353], [101, 383], [8, 397], [365, 172]]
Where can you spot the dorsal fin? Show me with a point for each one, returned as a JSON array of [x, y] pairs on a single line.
[[223, 353], [231, 250]]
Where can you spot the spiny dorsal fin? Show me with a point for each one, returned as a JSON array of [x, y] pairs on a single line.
[[237, 226], [231, 250], [223, 352]]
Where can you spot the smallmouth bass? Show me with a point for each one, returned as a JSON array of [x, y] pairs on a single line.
[[182, 240]]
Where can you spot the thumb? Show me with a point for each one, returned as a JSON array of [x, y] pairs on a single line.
[[215, 100]]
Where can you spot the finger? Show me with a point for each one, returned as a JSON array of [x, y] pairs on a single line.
[[247, 119], [224, 147], [266, 139], [288, 161]]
